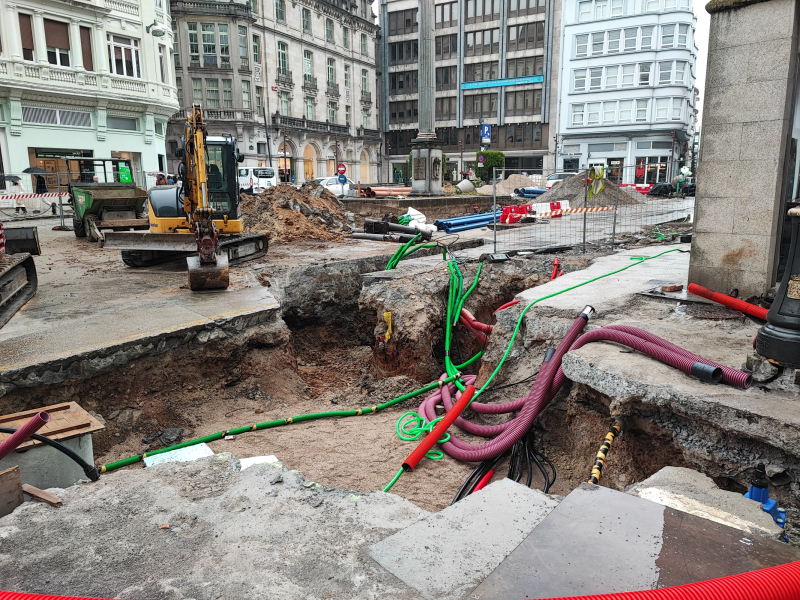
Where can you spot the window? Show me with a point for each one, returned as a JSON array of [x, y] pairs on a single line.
[[446, 77], [651, 5], [628, 73], [365, 119], [332, 112], [308, 67], [243, 56], [364, 80], [447, 46], [582, 45], [625, 111], [256, 49], [668, 36], [403, 112], [306, 21], [616, 8], [347, 116], [56, 36], [613, 41], [403, 22], [647, 38], [403, 83], [664, 73], [577, 115], [209, 45], [283, 59], [403, 52], [345, 37], [280, 10], [261, 147], [677, 109], [162, 68], [584, 11], [227, 93], [160, 4], [122, 123], [309, 107], [520, 37], [644, 73], [194, 45], [641, 111], [179, 86], [447, 15], [593, 113], [680, 73], [331, 71], [524, 67], [212, 93], [670, 4], [598, 43], [175, 47], [347, 76], [259, 99], [683, 36], [662, 109], [284, 104], [329, 30], [197, 90], [601, 9], [596, 79], [364, 44], [246, 95], [609, 112], [612, 77], [124, 56], [224, 47], [481, 105], [445, 109], [579, 81]]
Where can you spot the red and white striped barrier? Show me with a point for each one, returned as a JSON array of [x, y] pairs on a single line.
[[573, 211], [26, 196]]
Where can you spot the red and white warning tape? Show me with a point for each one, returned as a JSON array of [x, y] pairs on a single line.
[[26, 196], [573, 211]]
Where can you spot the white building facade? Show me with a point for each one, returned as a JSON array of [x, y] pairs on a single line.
[[84, 79], [627, 95]]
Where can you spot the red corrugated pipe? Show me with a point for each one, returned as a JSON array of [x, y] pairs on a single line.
[[729, 301], [33, 425], [554, 274], [478, 334], [474, 324], [775, 583]]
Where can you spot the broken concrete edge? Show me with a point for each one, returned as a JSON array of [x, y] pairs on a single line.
[[717, 6], [93, 362], [735, 421]]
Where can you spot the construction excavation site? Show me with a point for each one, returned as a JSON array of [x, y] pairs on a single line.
[[410, 415]]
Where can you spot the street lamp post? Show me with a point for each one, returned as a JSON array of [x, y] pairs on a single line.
[[461, 145], [388, 163]]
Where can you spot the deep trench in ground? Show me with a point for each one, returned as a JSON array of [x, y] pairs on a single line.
[[324, 352]]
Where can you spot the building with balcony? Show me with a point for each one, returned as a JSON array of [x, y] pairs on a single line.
[[292, 80], [494, 65], [84, 79], [627, 97]]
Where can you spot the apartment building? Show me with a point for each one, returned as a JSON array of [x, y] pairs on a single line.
[[308, 65], [494, 66], [628, 96], [89, 79]]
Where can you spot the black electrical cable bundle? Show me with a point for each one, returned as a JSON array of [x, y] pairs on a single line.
[[90, 470], [476, 476]]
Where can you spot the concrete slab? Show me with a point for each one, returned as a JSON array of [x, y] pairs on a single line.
[[694, 493], [450, 552], [600, 541]]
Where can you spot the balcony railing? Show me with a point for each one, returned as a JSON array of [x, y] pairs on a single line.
[[366, 97], [218, 114], [333, 89], [202, 7], [307, 125], [122, 6], [284, 77], [309, 83], [372, 134]]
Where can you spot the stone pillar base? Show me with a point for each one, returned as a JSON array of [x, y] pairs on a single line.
[[426, 168]]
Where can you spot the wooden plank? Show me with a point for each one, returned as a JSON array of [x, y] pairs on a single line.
[[68, 420], [41, 495], [10, 490]]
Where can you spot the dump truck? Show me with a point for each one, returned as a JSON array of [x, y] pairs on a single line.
[[18, 281]]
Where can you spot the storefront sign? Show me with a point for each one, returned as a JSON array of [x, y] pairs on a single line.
[[474, 85]]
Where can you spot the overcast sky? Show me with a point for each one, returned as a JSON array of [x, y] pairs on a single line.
[[701, 40]]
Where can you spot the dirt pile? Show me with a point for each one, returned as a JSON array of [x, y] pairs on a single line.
[[507, 186], [286, 213], [571, 190]]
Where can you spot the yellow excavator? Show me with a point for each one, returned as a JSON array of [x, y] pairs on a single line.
[[201, 216]]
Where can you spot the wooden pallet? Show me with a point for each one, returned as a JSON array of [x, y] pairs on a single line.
[[67, 420]]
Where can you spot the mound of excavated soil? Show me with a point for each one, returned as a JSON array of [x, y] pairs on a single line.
[[507, 186], [571, 190], [285, 213]]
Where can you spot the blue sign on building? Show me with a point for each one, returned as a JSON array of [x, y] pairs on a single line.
[[486, 134], [475, 85]]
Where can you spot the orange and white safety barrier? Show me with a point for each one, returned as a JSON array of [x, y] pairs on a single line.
[[26, 196], [574, 211]]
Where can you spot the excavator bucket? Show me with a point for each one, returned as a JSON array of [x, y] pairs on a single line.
[[208, 276], [18, 283]]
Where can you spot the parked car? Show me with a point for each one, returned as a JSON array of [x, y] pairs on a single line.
[[556, 178], [332, 185]]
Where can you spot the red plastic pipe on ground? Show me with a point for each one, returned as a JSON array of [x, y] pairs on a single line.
[[478, 334], [729, 301], [505, 306], [22, 434], [554, 274], [475, 324], [20, 596], [775, 583], [483, 482]]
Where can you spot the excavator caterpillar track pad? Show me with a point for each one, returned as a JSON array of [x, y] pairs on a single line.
[[208, 276]]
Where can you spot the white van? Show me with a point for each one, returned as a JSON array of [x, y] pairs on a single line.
[[254, 180]]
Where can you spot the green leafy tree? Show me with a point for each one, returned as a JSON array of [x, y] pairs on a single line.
[[492, 159]]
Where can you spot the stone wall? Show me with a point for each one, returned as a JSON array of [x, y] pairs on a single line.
[[746, 126]]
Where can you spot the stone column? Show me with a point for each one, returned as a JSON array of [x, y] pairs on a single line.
[[426, 153], [75, 44], [39, 39], [747, 127], [100, 49], [11, 31]]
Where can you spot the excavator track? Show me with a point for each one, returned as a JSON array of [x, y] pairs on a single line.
[[18, 283], [239, 248]]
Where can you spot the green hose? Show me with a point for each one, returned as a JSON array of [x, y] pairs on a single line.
[[279, 422]]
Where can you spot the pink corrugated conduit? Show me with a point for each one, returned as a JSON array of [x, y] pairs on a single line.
[[21, 435]]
